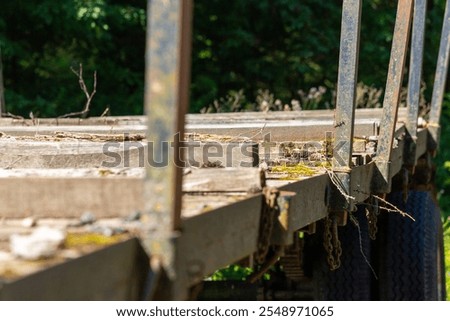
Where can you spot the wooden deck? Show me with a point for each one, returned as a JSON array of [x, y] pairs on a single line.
[[52, 172]]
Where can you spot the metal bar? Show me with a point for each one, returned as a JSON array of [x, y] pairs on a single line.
[[346, 94], [415, 72], [440, 79], [392, 92], [166, 102], [346, 86]]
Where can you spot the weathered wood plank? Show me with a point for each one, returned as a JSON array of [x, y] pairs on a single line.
[[95, 278], [192, 118], [69, 197], [231, 231], [309, 204], [48, 153], [231, 154], [61, 193], [282, 126], [18, 130], [240, 180]]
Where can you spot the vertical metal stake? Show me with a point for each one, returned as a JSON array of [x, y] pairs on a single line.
[[346, 98], [415, 78], [166, 102], [439, 80], [392, 94]]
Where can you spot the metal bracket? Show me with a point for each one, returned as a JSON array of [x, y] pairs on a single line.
[[434, 135], [282, 229]]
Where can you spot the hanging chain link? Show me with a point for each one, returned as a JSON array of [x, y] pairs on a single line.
[[372, 217], [332, 244], [269, 212]]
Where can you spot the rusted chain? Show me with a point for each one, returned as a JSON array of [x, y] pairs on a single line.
[[269, 212], [332, 244], [372, 211]]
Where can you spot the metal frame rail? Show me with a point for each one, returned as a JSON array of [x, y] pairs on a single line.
[[181, 249]]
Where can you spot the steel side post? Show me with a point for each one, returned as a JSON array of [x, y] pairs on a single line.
[[166, 100], [439, 81], [382, 179], [345, 104], [415, 79]]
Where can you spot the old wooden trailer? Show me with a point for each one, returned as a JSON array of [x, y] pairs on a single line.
[[327, 204]]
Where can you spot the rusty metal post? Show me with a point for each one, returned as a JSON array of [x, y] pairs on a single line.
[[346, 100], [415, 79], [440, 80], [392, 94], [166, 102]]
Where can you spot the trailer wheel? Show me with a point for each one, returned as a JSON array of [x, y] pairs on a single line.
[[411, 252], [352, 280]]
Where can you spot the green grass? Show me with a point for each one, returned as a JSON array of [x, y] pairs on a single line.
[[232, 272], [447, 260]]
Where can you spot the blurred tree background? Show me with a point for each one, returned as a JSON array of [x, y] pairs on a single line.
[[42, 39], [243, 52], [283, 46]]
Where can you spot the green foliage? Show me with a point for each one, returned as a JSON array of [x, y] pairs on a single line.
[[283, 46], [443, 162], [443, 183], [235, 273], [42, 40], [280, 45], [287, 46], [447, 261], [232, 272]]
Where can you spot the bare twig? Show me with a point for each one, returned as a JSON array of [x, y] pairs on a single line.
[[260, 131], [33, 118], [336, 182], [105, 112], [393, 208], [8, 114], [10, 166], [355, 222], [83, 87]]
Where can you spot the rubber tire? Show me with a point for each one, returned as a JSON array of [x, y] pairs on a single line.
[[350, 282], [409, 250]]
